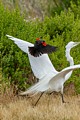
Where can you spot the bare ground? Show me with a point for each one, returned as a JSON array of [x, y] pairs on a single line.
[[49, 107]]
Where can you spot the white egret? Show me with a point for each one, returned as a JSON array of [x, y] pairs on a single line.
[[55, 82], [49, 78]]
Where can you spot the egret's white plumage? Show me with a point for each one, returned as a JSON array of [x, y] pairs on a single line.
[[55, 82], [49, 78]]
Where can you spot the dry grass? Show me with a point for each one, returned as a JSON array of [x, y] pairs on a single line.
[[48, 108]]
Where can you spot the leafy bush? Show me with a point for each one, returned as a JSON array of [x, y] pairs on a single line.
[[61, 5], [58, 31]]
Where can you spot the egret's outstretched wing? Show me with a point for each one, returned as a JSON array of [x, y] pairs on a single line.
[[50, 83], [23, 45], [60, 78], [42, 65]]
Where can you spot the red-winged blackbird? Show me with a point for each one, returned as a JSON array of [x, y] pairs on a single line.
[[40, 47]]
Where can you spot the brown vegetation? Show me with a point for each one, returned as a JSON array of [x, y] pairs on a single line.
[[49, 107]]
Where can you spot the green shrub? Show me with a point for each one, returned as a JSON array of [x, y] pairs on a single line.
[[58, 31]]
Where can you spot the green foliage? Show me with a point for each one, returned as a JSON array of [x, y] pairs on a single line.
[[56, 6], [58, 31]]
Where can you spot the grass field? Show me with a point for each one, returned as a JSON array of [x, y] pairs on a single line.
[[49, 107]]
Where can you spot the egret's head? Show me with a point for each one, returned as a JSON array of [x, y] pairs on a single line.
[[72, 44]]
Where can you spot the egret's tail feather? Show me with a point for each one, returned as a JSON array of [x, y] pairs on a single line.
[[35, 89], [28, 94]]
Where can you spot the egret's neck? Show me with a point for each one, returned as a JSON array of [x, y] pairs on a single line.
[[69, 58]]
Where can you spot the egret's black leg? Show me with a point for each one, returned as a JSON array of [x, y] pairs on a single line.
[[38, 99], [62, 98]]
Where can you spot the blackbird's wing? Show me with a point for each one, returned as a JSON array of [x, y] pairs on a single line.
[[34, 52], [48, 49], [42, 50]]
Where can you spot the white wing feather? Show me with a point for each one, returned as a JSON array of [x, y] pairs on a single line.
[[23, 45], [58, 80], [42, 65]]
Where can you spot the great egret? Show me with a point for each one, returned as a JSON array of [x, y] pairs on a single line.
[[45, 71], [54, 81], [41, 47]]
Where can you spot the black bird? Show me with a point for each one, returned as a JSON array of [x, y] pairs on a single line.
[[41, 47]]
